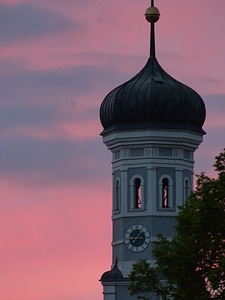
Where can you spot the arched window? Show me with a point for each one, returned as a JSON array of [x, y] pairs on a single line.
[[117, 195], [165, 193], [137, 191], [187, 189]]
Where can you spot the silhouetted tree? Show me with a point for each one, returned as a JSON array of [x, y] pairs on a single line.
[[193, 262]]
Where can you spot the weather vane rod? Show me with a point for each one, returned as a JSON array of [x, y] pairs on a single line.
[[152, 15]]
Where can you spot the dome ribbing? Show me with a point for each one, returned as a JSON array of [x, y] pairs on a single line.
[[152, 99]]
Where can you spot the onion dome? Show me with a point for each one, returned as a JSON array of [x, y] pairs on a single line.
[[113, 275], [152, 99]]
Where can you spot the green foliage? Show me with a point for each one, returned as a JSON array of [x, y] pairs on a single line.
[[143, 279], [193, 262]]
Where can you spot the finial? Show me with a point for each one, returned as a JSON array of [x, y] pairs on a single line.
[[152, 15]]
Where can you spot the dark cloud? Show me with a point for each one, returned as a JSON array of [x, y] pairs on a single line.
[[25, 21], [53, 161], [79, 80], [27, 116], [213, 144], [40, 100], [214, 140], [215, 103], [60, 161], [33, 99], [43, 99]]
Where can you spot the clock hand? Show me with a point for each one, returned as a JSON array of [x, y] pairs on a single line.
[[134, 240]]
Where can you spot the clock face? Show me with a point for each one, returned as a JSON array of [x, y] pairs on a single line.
[[137, 238]]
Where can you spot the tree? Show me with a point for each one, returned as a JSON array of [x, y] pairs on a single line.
[[193, 262]]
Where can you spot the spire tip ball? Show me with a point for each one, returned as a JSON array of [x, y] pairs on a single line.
[[152, 14]]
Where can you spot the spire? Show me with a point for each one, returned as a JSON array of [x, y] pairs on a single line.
[[137, 103], [152, 16]]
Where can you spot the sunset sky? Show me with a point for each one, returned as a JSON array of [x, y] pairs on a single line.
[[58, 60]]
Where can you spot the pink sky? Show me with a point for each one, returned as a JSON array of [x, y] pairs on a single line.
[[58, 59]]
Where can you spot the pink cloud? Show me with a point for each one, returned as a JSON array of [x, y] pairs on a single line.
[[55, 212]]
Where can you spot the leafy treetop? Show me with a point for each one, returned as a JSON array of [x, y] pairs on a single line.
[[193, 262]]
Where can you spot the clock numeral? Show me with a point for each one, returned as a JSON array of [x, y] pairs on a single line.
[[147, 235]]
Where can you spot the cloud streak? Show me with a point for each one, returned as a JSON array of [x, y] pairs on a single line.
[[58, 60], [24, 22]]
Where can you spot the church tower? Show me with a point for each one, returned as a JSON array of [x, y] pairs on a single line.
[[152, 124]]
